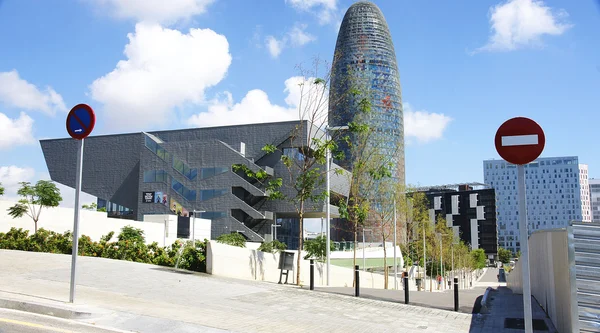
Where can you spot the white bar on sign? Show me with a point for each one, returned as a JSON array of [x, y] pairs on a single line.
[[520, 140]]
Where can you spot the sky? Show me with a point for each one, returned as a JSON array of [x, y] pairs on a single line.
[[465, 67]]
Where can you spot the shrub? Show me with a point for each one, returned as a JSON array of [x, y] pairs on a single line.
[[271, 247], [234, 239], [129, 246]]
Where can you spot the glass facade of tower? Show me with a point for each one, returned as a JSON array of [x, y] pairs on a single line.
[[365, 57]]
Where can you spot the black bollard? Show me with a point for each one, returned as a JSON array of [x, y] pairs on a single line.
[[455, 294], [406, 291], [357, 281], [312, 274]]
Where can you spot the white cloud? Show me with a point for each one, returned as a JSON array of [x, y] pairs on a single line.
[[424, 126], [296, 37], [325, 10], [274, 46], [15, 132], [256, 107], [11, 176], [18, 93], [299, 37], [165, 69], [521, 23], [156, 11]]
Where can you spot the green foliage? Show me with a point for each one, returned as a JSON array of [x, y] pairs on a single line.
[[233, 239], [33, 198], [93, 206], [271, 247], [479, 258], [129, 246], [316, 248], [504, 255], [518, 254], [1, 189]]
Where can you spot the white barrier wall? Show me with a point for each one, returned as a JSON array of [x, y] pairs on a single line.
[[549, 267], [157, 228], [249, 264]]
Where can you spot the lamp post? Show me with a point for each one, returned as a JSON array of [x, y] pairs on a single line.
[[364, 258], [328, 230], [395, 265]]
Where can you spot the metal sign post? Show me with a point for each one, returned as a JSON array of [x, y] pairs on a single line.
[[80, 123], [520, 141]]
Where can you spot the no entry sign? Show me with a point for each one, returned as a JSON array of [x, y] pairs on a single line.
[[520, 140], [80, 121]]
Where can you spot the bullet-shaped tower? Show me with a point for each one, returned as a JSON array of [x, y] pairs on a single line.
[[365, 58]]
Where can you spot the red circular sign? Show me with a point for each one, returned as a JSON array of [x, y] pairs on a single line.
[[80, 121], [520, 140]]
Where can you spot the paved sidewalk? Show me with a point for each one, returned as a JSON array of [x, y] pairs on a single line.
[[504, 304], [437, 300], [147, 298]]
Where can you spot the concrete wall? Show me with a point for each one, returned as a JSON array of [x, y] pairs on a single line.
[[97, 224], [549, 267], [251, 264]]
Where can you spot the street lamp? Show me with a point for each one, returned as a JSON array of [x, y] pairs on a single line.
[[194, 226], [364, 258], [328, 231]]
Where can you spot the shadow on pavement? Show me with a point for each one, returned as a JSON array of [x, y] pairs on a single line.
[[173, 270], [436, 300]]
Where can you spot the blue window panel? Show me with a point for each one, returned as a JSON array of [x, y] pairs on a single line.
[[149, 176], [193, 174]]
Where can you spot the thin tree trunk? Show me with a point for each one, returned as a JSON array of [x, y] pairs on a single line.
[[385, 267], [300, 243], [35, 226]]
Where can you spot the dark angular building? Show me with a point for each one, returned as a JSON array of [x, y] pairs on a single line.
[[182, 171], [470, 212], [364, 56]]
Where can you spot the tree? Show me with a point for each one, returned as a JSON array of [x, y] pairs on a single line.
[[479, 258], [316, 248], [504, 255], [33, 198], [93, 206], [307, 149], [1, 189]]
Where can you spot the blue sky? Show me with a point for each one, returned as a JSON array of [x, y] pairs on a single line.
[[465, 67]]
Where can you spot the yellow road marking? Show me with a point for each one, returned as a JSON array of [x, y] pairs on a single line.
[[24, 323]]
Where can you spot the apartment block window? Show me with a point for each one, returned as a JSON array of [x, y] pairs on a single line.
[[155, 176], [182, 168], [185, 192], [210, 172], [209, 194]]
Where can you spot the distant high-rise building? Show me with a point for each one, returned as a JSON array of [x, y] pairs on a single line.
[[595, 199], [557, 192], [364, 55], [470, 210]]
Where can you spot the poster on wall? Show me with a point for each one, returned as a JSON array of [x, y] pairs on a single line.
[[160, 198], [178, 209], [148, 197]]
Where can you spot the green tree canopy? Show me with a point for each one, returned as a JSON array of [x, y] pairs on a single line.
[[504, 255], [1, 189], [33, 198], [479, 258], [316, 248]]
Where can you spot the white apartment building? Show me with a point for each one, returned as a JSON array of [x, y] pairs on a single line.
[[595, 199], [557, 191]]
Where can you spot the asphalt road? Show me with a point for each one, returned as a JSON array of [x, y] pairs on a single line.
[[12, 321]]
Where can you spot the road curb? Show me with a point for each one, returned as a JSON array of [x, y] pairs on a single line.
[[43, 309]]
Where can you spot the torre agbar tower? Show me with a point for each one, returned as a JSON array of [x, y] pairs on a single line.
[[364, 55]]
